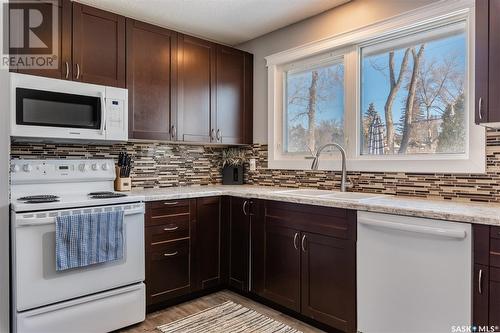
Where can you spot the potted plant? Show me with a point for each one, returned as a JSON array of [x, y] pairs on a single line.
[[233, 160]]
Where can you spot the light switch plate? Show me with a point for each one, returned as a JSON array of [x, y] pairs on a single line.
[[252, 164]]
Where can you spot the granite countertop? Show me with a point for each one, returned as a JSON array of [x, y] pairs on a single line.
[[479, 213]]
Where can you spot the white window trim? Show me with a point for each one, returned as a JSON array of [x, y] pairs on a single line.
[[473, 161]]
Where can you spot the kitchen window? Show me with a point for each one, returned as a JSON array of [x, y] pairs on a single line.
[[397, 95], [314, 106]]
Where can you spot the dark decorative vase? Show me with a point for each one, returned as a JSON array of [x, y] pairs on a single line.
[[232, 175]]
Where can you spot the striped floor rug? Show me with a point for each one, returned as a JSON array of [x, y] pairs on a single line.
[[224, 318]]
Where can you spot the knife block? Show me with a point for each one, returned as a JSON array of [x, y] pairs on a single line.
[[122, 184]]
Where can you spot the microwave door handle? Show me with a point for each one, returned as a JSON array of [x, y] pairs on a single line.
[[103, 113]]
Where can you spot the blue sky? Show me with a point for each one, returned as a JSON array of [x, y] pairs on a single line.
[[375, 84]]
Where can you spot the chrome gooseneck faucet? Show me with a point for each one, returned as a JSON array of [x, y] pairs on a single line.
[[314, 165]]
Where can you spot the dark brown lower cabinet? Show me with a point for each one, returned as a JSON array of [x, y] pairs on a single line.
[[169, 271], [282, 265], [238, 240], [304, 258], [170, 230], [481, 295], [329, 280], [494, 293], [486, 283], [208, 242]]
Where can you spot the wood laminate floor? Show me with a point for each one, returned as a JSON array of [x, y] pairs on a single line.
[[184, 309]]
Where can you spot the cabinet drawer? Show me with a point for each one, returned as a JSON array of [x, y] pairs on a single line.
[[495, 252], [167, 212], [167, 232], [168, 271], [495, 232], [335, 222]]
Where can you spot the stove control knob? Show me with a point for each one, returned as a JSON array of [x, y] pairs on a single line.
[[15, 168], [27, 168], [83, 167], [105, 167], [95, 167]]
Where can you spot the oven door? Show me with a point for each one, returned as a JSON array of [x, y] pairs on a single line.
[[36, 281], [57, 109]]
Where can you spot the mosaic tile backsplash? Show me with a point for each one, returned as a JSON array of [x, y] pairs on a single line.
[[155, 165], [158, 165]]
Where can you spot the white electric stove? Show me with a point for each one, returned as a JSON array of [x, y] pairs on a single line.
[[97, 298]]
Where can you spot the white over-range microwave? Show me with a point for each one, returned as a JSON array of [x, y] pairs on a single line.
[[58, 110]]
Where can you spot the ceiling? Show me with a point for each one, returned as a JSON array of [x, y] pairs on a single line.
[[225, 21]]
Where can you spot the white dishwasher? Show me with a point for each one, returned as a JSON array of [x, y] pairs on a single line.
[[413, 274]]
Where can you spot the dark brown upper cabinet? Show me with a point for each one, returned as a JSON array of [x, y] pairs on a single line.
[[487, 62], [196, 90], [151, 81], [63, 42], [234, 96], [98, 46]]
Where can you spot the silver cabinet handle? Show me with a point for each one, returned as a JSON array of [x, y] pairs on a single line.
[[173, 132], [295, 239], [480, 107], [170, 203], [244, 207], [219, 135], [480, 281], [170, 254], [170, 228], [212, 135], [303, 243], [77, 71], [67, 70]]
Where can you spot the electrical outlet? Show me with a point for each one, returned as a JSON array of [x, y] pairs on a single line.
[[253, 164]]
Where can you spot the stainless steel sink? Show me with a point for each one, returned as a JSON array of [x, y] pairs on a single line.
[[305, 192], [325, 194]]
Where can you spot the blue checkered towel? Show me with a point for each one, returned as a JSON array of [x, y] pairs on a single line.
[[88, 239]]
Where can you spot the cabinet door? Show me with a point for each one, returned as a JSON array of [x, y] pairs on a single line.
[[239, 243], [493, 98], [208, 242], [151, 77], [168, 272], [480, 295], [196, 89], [282, 264], [98, 46], [481, 61], [234, 96], [329, 280], [63, 42], [494, 293]]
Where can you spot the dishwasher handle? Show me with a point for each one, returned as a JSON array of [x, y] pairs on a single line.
[[420, 229]]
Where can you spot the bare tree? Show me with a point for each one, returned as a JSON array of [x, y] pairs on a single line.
[[311, 111], [410, 100], [438, 85], [395, 84], [309, 92]]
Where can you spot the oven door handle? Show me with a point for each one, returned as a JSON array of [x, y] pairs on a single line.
[[103, 113], [52, 220]]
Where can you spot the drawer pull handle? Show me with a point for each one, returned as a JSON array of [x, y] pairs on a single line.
[[169, 203], [303, 243], [170, 254], [170, 228]]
